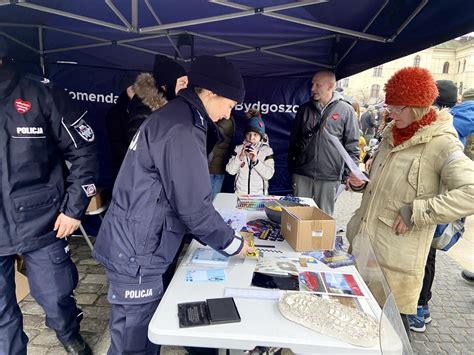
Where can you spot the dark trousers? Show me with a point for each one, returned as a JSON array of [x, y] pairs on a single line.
[[128, 326], [425, 294], [52, 277]]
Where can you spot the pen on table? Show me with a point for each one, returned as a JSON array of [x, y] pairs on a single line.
[[264, 246]]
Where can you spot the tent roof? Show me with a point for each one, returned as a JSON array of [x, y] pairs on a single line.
[[283, 38]]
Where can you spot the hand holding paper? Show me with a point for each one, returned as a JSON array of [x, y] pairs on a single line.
[[347, 159]]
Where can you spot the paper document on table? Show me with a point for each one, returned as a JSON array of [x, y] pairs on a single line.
[[347, 159], [236, 219], [252, 293]]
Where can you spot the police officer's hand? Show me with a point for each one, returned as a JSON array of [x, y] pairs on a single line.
[[65, 225], [246, 249]]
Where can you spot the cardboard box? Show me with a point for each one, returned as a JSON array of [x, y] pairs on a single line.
[[308, 228], [21, 281], [97, 201]]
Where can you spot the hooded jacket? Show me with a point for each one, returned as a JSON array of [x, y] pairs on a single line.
[[412, 174], [463, 119], [40, 128], [252, 178], [146, 100], [311, 153], [154, 203]]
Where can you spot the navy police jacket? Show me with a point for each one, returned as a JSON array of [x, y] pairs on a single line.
[[163, 192], [40, 128]]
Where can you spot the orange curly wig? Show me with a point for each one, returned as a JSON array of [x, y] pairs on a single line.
[[411, 86]]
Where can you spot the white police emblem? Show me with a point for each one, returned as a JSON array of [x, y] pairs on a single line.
[[89, 189], [85, 131]]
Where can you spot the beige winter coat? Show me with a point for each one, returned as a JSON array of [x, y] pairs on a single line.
[[410, 174]]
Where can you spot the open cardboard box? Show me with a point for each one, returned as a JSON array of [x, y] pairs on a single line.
[[97, 201], [21, 281], [308, 228]]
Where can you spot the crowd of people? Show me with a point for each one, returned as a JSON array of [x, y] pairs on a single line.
[[169, 123]]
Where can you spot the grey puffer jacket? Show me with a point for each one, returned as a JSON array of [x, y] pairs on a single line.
[[311, 153]]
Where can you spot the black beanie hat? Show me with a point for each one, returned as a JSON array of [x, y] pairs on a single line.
[[218, 75], [3, 47], [448, 93], [166, 71]]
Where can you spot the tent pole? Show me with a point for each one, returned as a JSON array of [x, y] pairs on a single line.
[[377, 14], [21, 43], [157, 19], [23, 3], [134, 15], [265, 49], [409, 19], [118, 14], [300, 21], [41, 51], [298, 59], [64, 49], [249, 11]]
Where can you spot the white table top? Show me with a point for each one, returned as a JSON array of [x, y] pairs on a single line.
[[262, 323]]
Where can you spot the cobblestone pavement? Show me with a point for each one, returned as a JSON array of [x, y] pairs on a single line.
[[452, 306]]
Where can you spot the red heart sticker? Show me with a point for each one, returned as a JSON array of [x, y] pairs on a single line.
[[22, 106], [335, 116]]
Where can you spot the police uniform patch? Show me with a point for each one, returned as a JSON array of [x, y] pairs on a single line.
[[84, 130], [22, 106], [90, 190]]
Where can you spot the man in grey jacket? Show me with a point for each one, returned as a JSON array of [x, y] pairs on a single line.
[[313, 160]]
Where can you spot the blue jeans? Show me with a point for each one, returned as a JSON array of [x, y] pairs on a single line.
[[216, 183]]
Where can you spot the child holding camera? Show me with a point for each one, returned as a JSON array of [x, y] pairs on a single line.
[[252, 162]]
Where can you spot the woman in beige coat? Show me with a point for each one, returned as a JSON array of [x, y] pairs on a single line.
[[419, 178]]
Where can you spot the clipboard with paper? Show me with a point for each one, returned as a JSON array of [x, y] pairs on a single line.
[[353, 167]]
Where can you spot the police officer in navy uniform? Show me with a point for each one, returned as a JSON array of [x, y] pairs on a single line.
[[41, 203], [162, 192]]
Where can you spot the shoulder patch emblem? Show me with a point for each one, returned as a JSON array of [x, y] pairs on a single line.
[[335, 116], [22, 106], [84, 130], [89, 189]]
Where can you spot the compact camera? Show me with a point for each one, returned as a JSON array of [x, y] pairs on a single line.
[[249, 147]]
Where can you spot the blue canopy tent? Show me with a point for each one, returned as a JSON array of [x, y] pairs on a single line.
[[97, 46]]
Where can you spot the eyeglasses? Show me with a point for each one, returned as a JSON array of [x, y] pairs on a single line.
[[395, 109]]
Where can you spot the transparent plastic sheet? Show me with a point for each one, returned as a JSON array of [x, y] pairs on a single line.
[[393, 337]]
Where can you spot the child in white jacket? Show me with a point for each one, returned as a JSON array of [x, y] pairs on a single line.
[[252, 162]]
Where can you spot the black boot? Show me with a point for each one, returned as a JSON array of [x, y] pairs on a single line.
[[468, 276], [77, 346]]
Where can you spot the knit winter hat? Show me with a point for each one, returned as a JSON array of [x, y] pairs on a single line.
[[255, 124], [411, 86], [448, 93], [217, 75], [166, 71], [3, 47], [468, 95]]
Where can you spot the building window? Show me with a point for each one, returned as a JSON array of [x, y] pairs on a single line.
[[345, 83], [378, 71], [339, 84], [464, 65], [416, 62], [374, 91], [459, 66], [460, 88], [446, 68]]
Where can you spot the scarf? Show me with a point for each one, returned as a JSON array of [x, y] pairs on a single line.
[[401, 135]]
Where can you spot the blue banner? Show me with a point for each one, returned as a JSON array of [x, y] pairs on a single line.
[[277, 99]]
